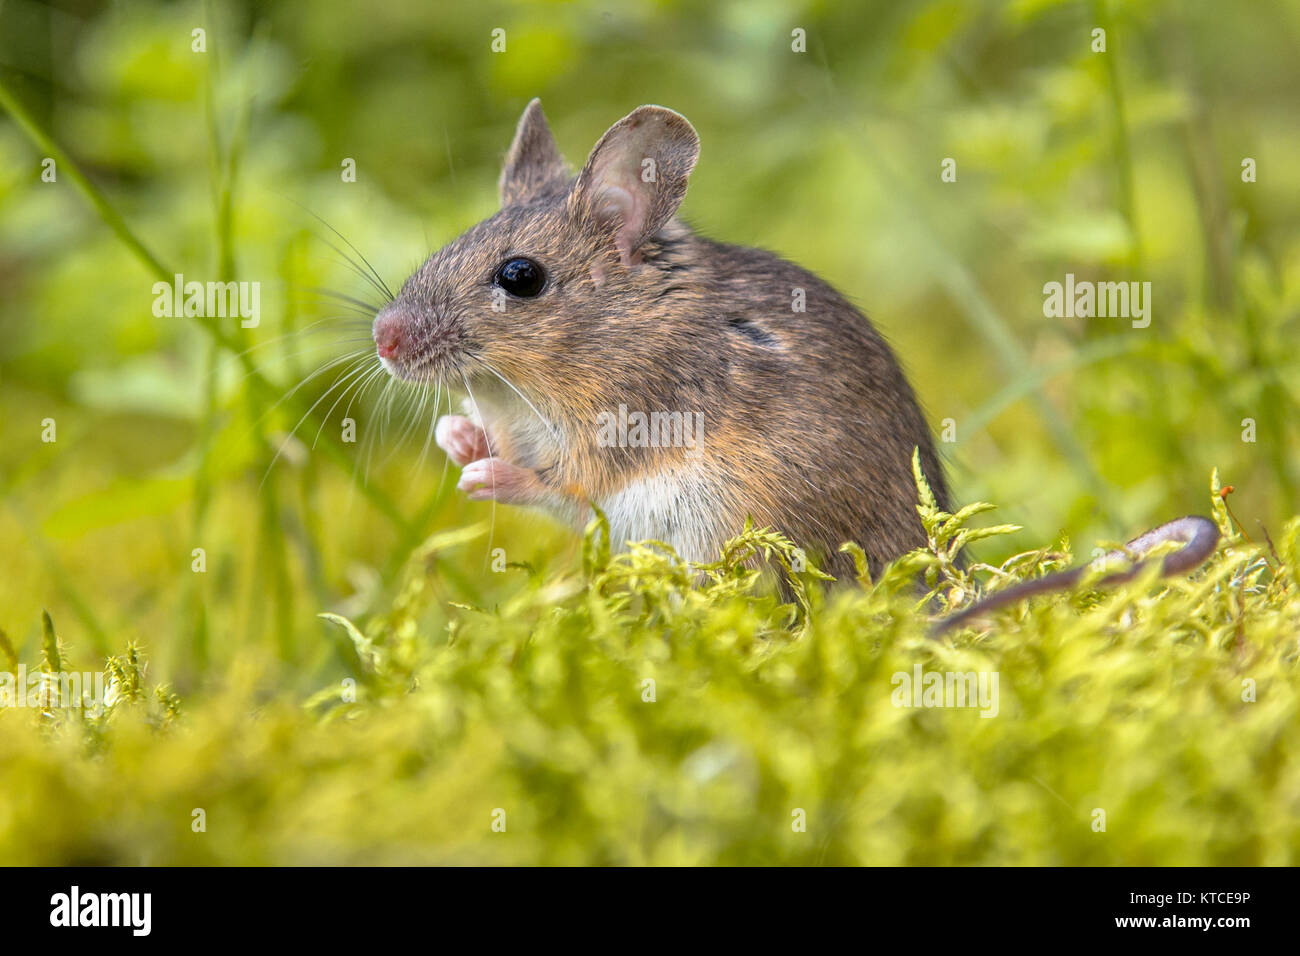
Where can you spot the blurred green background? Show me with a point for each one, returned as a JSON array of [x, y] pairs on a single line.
[[1122, 166]]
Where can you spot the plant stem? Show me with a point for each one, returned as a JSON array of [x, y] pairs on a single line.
[[230, 343]]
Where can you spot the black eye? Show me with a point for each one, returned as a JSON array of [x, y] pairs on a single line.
[[521, 277]]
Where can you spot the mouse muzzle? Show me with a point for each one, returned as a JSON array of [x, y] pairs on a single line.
[[411, 345]]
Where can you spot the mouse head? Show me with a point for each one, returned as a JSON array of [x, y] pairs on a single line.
[[563, 277]]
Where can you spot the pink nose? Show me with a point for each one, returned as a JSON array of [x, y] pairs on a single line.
[[389, 334]]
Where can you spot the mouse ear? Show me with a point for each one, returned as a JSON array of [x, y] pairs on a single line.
[[534, 161], [635, 178]]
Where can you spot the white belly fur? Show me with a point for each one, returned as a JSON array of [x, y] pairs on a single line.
[[680, 507]]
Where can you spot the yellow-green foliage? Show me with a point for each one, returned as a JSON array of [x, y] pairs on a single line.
[[1135, 702], [178, 491]]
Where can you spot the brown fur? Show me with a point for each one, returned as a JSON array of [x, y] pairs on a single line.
[[808, 420]]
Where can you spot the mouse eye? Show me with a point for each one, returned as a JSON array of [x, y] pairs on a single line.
[[521, 277]]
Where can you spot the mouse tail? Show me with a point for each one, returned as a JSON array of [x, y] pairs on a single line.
[[1199, 537]]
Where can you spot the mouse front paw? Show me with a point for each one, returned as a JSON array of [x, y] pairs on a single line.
[[461, 439], [497, 479]]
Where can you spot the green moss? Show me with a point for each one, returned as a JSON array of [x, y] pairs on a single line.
[[228, 736], [642, 711]]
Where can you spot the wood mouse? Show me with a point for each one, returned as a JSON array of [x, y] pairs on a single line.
[[584, 303], [610, 355]]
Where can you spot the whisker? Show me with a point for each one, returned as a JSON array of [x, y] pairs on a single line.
[[446, 459], [386, 400], [418, 405], [292, 431], [355, 356], [545, 424], [349, 356], [366, 382], [390, 396], [492, 471], [368, 308], [378, 278], [408, 401], [315, 328], [357, 270], [433, 421], [373, 278], [364, 345], [341, 258], [357, 376]]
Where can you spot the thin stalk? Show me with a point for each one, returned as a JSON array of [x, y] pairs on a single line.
[[265, 389]]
